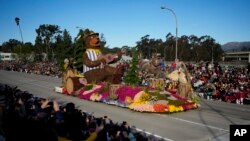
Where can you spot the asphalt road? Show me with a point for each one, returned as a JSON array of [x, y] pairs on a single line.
[[210, 122]]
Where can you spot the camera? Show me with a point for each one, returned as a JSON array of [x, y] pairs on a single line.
[[124, 122], [50, 103], [99, 121]]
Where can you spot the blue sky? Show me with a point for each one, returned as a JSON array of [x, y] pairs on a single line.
[[124, 22]]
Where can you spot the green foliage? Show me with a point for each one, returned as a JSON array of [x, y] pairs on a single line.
[[175, 102], [158, 95], [46, 35], [105, 88], [195, 99], [88, 86], [113, 96], [24, 51], [63, 48], [10, 45], [132, 75], [78, 50], [190, 48], [145, 97]]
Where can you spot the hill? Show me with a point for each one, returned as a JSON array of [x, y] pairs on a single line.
[[236, 46]]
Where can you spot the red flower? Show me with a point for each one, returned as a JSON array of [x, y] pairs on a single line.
[[160, 107]]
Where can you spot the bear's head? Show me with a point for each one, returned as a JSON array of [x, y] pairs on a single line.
[[91, 39]]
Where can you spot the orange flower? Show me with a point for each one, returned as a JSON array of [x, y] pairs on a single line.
[[160, 107]]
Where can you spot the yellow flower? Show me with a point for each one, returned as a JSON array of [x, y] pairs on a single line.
[[145, 97], [171, 108], [179, 108]]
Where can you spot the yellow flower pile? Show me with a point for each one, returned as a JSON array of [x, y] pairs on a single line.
[[173, 108], [142, 104]]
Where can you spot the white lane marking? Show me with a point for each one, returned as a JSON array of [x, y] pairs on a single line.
[[160, 137], [196, 123]]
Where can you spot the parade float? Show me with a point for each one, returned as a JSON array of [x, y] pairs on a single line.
[[100, 81]]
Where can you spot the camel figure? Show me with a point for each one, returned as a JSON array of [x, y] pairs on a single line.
[[152, 66], [182, 76]]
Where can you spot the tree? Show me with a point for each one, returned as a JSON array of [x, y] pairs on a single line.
[[46, 35], [143, 46], [24, 51], [206, 50], [39, 49], [78, 50], [10, 45], [105, 49], [132, 74], [169, 49], [184, 51], [190, 48], [218, 51], [194, 44], [63, 47], [17, 20]]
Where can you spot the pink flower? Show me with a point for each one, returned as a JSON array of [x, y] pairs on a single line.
[[125, 91]]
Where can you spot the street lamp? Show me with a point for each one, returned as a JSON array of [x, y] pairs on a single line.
[[176, 38]]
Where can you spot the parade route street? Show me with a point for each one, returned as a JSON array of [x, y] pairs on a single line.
[[210, 122]]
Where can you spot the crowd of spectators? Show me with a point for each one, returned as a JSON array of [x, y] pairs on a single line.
[[224, 83], [41, 68], [29, 118]]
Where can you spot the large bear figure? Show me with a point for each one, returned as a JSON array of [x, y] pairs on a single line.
[[96, 65]]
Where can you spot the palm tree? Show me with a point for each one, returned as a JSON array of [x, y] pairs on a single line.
[[18, 24], [17, 20]]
